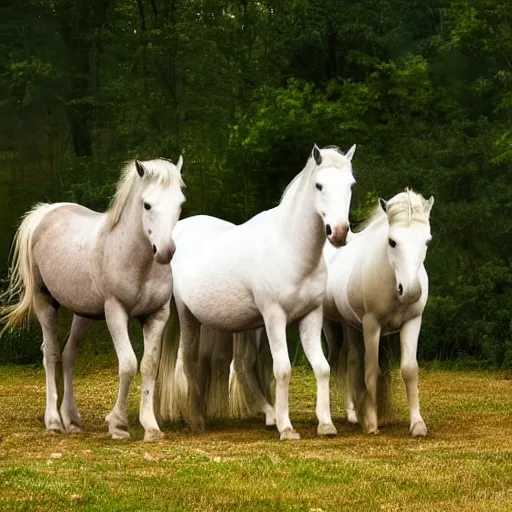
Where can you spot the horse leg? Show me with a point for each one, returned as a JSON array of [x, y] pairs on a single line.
[[310, 330], [371, 332], [194, 407], [355, 388], [117, 323], [409, 370], [152, 330], [46, 310], [68, 409], [275, 324]]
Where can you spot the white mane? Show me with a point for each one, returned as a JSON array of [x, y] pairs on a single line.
[[406, 207], [162, 172]]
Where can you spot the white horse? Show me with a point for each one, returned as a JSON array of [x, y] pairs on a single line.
[[268, 271], [113, 265], [378, 285]]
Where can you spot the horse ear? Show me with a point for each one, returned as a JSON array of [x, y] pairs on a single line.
[[316, 155], [179, 165], [430, 203], [383, 205], [140, 168], [350, 153]]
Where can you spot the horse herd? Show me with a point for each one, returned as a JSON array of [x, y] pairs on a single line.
[[214, 299]]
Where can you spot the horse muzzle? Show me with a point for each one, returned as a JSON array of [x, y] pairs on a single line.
[[164, 256], [337, 236], [408, 294]]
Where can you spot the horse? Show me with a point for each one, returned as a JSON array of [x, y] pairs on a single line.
[[219, 353], [377, 285], [268, 271], [112, 266]]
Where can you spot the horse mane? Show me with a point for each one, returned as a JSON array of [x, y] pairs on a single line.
[[404, 207], [332, 157], [157, 171]]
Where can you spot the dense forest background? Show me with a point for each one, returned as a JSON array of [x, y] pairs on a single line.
[[243, 89]]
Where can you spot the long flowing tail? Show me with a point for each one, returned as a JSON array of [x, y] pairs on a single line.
[[251, 383], [215, 354], [172, 388], [337, 356], [22, 282]]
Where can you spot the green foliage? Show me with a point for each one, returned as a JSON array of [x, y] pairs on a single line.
[[244, 89]]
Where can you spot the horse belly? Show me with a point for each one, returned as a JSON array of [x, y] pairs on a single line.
[[63, 258], [218, 300], [71, 286]]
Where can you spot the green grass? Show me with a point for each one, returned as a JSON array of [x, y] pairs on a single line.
[[464, 464]]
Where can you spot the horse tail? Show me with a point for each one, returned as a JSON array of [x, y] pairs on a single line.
[[215, 354], [265, 366], [251, 381], [239, 405], [337, 353], [22, 281], [172, 386]]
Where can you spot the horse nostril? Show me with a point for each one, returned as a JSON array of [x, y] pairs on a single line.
[[154, 249], [328, 230], [400, 289]]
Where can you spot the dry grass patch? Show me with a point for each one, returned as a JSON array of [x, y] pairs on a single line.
[[464, 464]]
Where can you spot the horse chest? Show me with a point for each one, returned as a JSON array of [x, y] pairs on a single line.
[[397, 317], [141, 293], [299, 299], [152, 297]]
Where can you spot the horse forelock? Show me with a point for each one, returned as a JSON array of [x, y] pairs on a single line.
[[332, 156], [405, 207], [159, 172], [408, 206]]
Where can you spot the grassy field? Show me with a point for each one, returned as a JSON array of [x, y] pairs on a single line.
[[464, 464]]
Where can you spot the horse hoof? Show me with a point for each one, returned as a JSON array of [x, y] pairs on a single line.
[[270, 422], [70, 417], [289, 434], [119, 434], [352, 418], [55, 427], [326, 429], [419, 429], [151, 435], [73, 429]]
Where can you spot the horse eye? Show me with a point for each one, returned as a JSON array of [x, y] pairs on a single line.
[[428, 241], [392, 243], [147, 206], [353, 185], [318, 186]]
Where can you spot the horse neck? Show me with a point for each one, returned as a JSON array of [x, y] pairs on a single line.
[[301, 226], [128, 234]]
